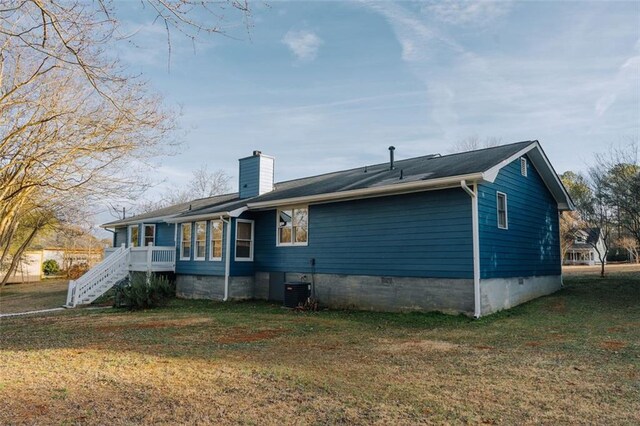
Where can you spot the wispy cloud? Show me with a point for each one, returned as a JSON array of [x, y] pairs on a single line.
[[475, 13], [419, 40], [626, 80], [303, 44]]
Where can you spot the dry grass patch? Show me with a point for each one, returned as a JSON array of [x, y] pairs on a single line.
[[198, 362], [34, 296]]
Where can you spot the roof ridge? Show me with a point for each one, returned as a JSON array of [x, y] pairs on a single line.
[[427, 156]]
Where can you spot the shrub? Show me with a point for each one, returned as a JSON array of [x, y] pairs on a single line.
[[76, 271], [50, 267], [143, 293]]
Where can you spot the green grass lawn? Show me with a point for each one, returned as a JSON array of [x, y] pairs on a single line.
[[572, 357]]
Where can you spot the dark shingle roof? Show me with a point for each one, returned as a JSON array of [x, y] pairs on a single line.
[[175, 209], [413, 169]]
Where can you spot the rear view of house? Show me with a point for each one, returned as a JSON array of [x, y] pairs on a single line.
[[474, 232]]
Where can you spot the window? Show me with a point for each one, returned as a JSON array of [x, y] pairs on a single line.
[[134, 240], [502, 211], [215, 233], [244, 240], [201, 240], [185, 241], [149, 235], [293, 226], [523, 166]]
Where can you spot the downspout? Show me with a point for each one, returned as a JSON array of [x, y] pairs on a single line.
[[476, 246], [227, 257]]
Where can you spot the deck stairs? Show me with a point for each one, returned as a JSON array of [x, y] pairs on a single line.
[[99, 279]]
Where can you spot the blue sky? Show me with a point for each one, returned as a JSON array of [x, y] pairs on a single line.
[[324, 86]]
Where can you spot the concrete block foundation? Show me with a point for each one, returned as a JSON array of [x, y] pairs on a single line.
[[375, 293], [212, 287]]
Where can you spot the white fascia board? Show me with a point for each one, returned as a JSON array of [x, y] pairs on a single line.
[[491, 174], [548, 174], [194, 218], [215, 215], [401, 188], [137, 221]]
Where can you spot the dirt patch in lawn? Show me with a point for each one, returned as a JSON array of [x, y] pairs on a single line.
[[613, 345], [243, 335]]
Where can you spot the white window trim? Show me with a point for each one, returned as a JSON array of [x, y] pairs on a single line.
[[292, 244], [182, 256], [144, 233], [524, 167], [506, 211], [235, 254], [194, 244], [130, 234], [211, 257]]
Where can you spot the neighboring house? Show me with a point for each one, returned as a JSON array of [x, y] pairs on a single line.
[[474, 232], [585, 247]]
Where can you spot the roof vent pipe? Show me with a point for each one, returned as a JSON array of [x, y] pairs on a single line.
[[391, 149]]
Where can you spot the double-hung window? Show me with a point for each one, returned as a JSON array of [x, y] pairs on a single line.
[[149, 235], [215, 236], [134, 236], [244, 240], [185, 241], [201, 240], [502, 210], [293, 226]]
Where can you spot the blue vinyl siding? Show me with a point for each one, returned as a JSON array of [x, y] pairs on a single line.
[[165, 234], [249, 179], [200, 267], [530, 246], [415, 235], [120, 236]]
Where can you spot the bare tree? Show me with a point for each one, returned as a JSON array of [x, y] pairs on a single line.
[[203, 184], [475, 142], [74, 126], [631, 246], [622, 186]]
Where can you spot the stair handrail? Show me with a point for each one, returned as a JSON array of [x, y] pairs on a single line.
[[95, 276]]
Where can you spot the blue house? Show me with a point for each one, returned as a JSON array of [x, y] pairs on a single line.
[[474, 232]]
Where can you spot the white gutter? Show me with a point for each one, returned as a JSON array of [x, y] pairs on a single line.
[[476, 246], [204, 216], [134, 221], [398, 188], [227, 258]]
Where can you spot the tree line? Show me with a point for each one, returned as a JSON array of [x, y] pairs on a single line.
[[607, 197], [76, 127]]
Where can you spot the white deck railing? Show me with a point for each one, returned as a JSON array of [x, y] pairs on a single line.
[[152, 258]]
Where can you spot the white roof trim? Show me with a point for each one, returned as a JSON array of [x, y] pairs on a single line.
[[215, 215], [398, 188], [133, 221], [491, 174], [548, 174]]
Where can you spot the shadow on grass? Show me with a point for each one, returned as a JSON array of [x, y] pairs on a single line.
[[202, 328]]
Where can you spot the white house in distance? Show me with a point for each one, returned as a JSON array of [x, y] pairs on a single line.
[[583, 250]]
